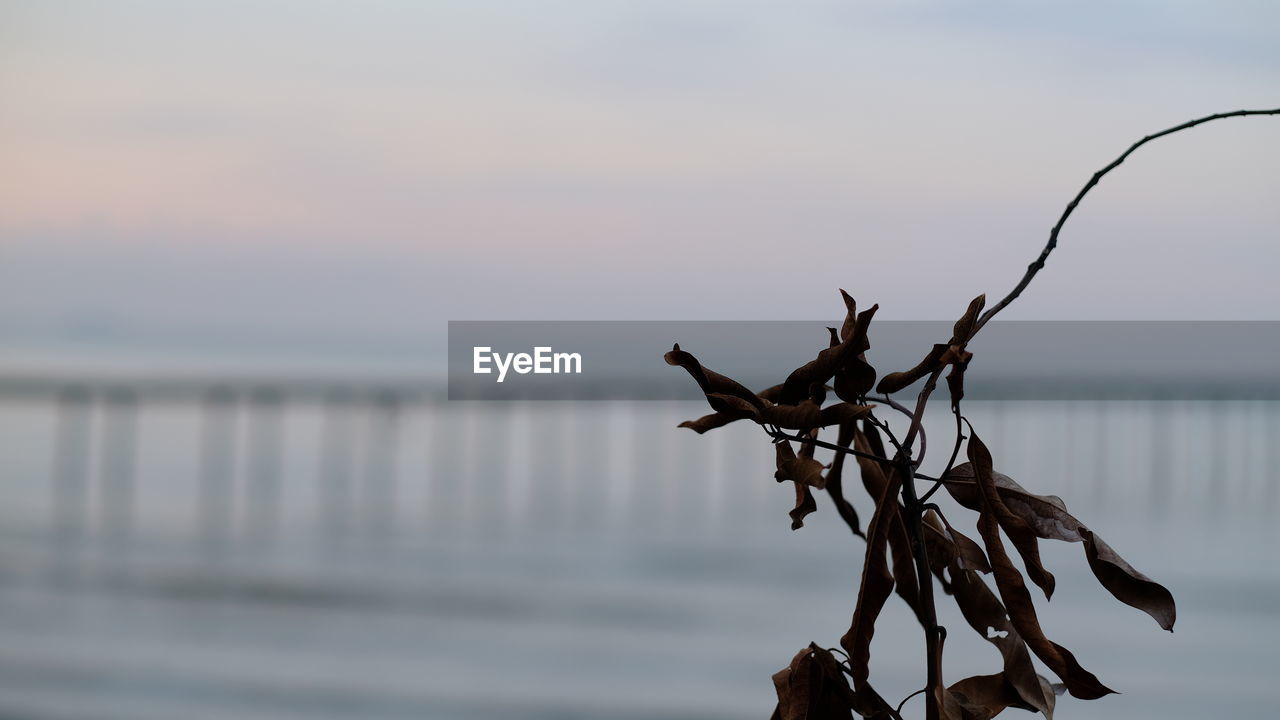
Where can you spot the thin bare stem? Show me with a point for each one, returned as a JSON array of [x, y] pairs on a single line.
[[955, 452], [905, 411], [779, 435], [917, 418], [1036, 266], [933, 633], [905, 699]]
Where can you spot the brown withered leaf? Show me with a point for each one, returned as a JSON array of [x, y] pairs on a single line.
[[844, 412], [802, 468], [856, 377], [850, 317], [875, 478], [895, 381], [807, 414], [805, 506], [709, 380], [941, 355], [1020, 530], [1017, 599], [708, 422], [733, 406], [812, 687], [987, 616], [968, 554], [958, 356], [801, 416], [854, 380], [804, 472], [985, 696], [1127, 584], [819, 370], [860, 338], [984, 612], [829, 360], [718, 419], [835, 481], [963, 328], [1047, 516], [955, 379], [875, 588]]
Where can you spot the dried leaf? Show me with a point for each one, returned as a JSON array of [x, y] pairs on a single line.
[[893, 382], [733, 406], [850, 319], [1016, 525], [804, 472], [844, 412], [877, 585], [710, 381], [856, 377], [1047, 516], [812, 687], [854, 380], [955, 379], [807, 415], [1127, 584], [963, 328], [831, 359], [835, 481], [801, 416], [708, 422], [861, 327], [875, 480], [967, 553], [1021, 610], [985, 696], [941, 355], [987, 616]]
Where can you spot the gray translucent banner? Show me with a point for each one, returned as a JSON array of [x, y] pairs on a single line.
[[601, 360]]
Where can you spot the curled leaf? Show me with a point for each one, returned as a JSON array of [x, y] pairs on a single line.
[[988, 617], [1127, 584], [708, 422], [804, 472], [800, 416], [963, 329], [1080, 682], [985, 696], [831, 359], [710, 381], [967, 553], [895, 381], [877, 585], [984, 496], [1047, 517], [813, 687], [835, 481]]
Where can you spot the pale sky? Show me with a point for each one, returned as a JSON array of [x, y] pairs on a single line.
[[353, 175]]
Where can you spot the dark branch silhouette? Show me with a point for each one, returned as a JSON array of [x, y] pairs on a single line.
[[910, 544]]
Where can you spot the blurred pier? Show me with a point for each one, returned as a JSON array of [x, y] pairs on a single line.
[[224, 462]]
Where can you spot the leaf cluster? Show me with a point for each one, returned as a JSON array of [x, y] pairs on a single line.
[[910, 543]]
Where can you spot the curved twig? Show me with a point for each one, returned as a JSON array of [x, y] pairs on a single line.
[[1035, 267], [905, 411]]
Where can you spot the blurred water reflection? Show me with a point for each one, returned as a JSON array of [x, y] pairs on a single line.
[[243, 553]]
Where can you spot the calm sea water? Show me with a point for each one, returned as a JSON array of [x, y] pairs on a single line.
[[557, 560]]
